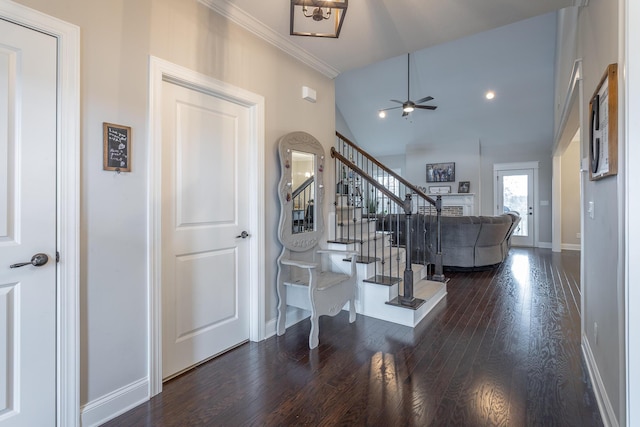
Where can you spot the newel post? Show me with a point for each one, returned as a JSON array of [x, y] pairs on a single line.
[[408, 298], [438, 274]]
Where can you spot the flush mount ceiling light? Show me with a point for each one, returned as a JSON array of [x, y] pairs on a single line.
[[326, 18], [490, 94]]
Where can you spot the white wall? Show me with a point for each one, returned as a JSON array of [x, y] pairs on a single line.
[[465, 155], [117, 37], [570, 165], [510, 154], [603, 284], [599, 43]]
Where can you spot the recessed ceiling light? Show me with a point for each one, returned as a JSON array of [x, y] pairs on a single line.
[[382, 114], [490, 95]]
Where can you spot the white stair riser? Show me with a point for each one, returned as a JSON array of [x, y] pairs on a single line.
[[368, 303], [346, 213], [359, 228]]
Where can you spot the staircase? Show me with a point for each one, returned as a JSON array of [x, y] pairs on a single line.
[[387, 290]]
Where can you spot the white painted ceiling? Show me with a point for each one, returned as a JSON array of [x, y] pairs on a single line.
[[460, 48]]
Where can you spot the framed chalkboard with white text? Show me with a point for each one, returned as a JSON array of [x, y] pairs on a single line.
[[116, 140]]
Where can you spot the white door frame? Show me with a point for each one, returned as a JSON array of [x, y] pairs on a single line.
[[632, 199], [499, 167], [160, 70], [67, 201]]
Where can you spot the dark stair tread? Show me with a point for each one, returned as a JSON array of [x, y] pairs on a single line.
[[343, 241], [383, 280], [396, 302], [363, 259]]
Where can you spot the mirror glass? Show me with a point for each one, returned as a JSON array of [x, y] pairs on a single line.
[[302, 191]]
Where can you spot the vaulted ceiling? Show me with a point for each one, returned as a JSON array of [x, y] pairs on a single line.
[[460, 49]]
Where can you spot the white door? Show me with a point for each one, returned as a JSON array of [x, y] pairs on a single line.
[[515, 193], [205, 191], [27, 226]]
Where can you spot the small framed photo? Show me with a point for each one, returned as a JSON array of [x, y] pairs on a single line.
[[439, 189], [463, 186], [441, 172]]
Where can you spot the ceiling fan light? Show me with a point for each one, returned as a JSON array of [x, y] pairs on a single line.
[[407, 109]]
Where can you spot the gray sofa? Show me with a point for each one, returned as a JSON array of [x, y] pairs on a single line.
[[467, 241]]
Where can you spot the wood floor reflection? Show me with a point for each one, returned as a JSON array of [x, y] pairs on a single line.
[[503, 349]]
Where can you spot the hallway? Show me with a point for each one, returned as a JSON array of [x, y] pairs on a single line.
[[503, 348]]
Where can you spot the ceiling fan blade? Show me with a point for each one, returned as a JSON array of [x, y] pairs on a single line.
[[426, 107], [390, 108], [425, 99], [404, 114], [399, 102]]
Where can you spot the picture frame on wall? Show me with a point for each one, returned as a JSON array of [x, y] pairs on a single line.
[[463, 186], [116, 147], [603, 132], [441, 172], [439, 189]]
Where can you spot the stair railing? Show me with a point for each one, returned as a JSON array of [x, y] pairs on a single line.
[[302, 198], [421, 237]]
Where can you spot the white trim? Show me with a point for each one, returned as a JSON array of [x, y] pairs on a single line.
[[294, 315], [251, 24], [543, 245], [160, 70], [115, 403], [599, 390], [570, 98], [556, 204], [571, 247], [573, 91], [498, 167], [632, 198], [68, 202], [516, 165]]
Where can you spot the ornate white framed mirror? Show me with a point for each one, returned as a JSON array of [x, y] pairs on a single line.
[[301, 191]]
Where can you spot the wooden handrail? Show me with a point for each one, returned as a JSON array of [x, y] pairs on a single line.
[[367, 177], [302, 187], [387, 170]]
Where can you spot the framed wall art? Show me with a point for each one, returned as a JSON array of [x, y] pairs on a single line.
[[116, 142], [439, 189], [603, 130], [463, 186], [441, 172]]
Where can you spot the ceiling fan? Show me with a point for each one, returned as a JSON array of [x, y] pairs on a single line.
[[408, 106]]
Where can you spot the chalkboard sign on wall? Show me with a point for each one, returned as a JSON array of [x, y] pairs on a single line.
[[116, 140]]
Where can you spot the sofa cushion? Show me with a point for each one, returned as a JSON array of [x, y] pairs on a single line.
[[467, 241], [493, 233], [459, 236]]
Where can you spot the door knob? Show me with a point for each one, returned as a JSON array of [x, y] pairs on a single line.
[[243, 235], [37, 260]]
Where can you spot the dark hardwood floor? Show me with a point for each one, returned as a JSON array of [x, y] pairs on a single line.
[[502, 349]]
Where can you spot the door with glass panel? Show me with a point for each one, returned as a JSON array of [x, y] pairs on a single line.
[[515, 193]]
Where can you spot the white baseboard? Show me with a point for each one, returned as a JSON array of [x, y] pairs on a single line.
[[604, 404], [570, 247], [115, 403], [294, 315]]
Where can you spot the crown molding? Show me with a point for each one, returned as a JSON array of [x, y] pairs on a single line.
[[580, 3], [254, 26]]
